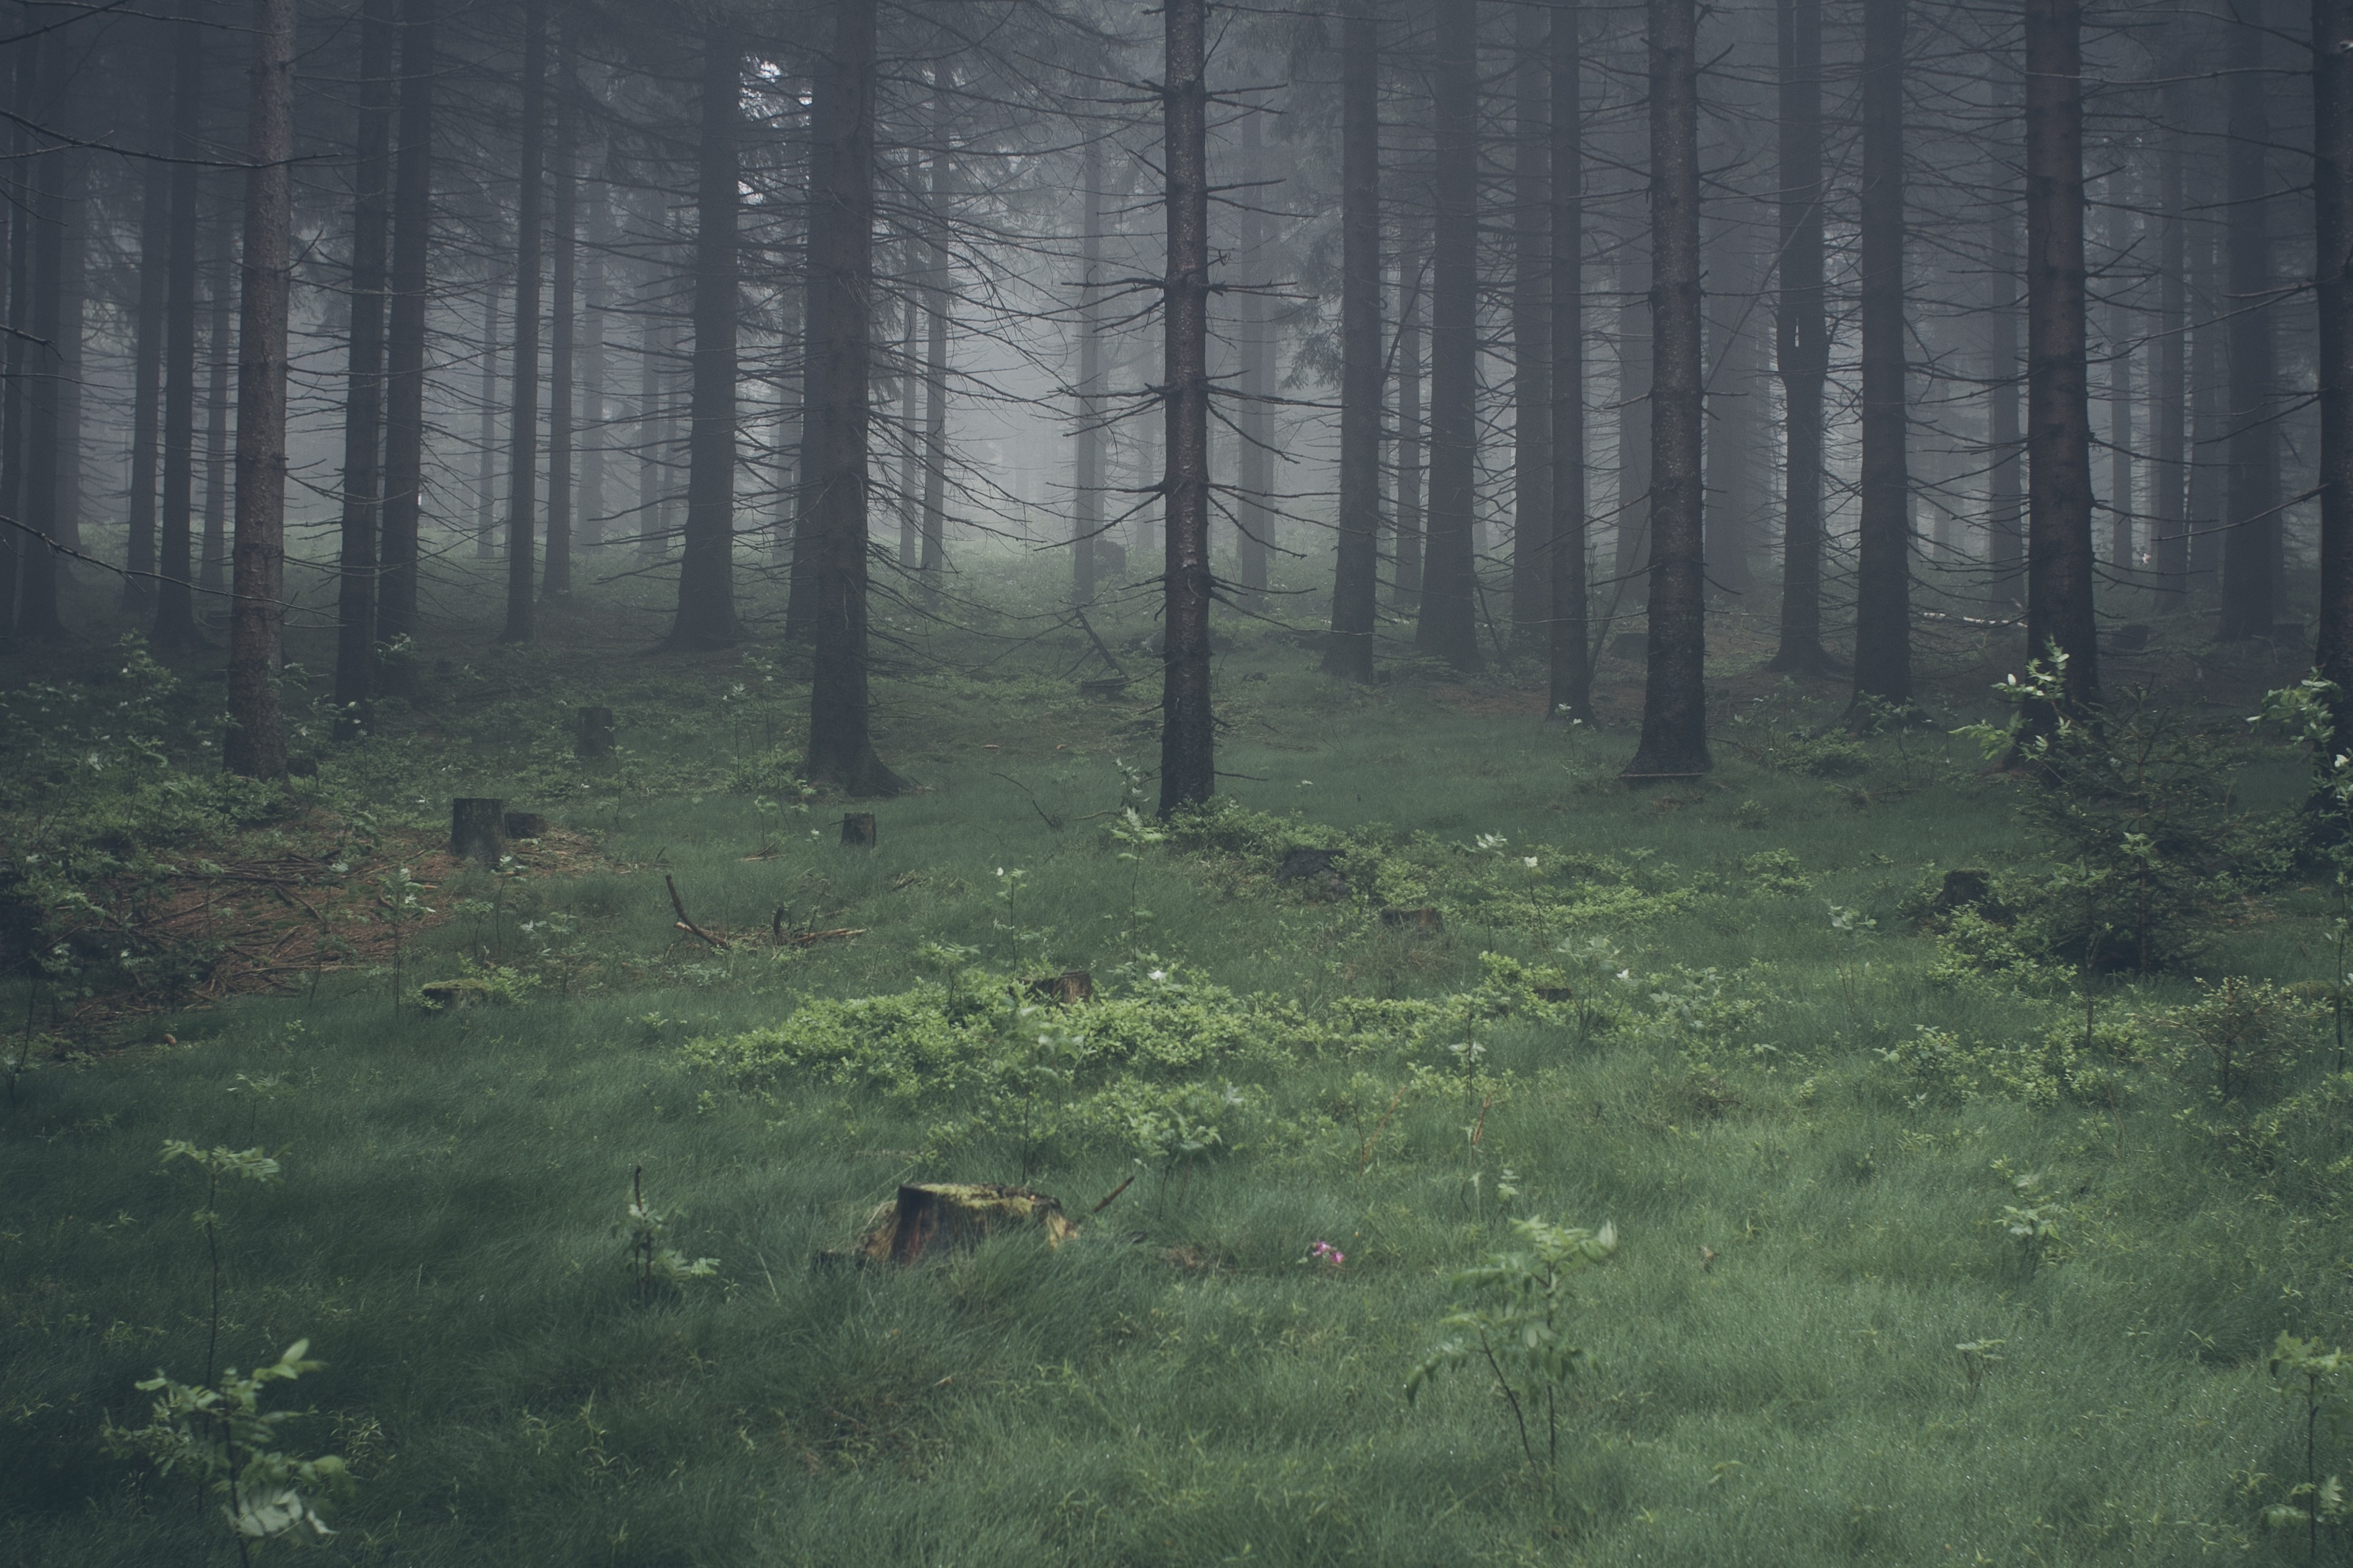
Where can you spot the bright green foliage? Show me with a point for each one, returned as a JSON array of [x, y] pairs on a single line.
[[222, 1438], [2250, 1034], [652, 1257], [2032, 1221], [2315, 1379], [1512, 1322]]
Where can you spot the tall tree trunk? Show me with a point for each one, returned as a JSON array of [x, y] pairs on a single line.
[[1674, 695], [37, 619], [841, 284], [2168, 389], [1448, 626], [403, 415], [912, 257], [938, 299], [73, 289], [2058, 565], [1631, 543], [1732, 380], [1349, 653], [1188, 769], [1882, 608], [364, 406], [1801, 334], [706, 571], [2209, 414], [555, 577], [2251, 540], [2332, 210], [1087, 454], [1254, 518], [147, 335], [589, 505], [1571, 661], [1411, 540], [486, 449], [220, 355], [522, 376], [256, 745], [2120, 381], [175, 619], [1531, 340]]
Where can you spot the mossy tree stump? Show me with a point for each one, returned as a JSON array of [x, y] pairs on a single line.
[[594, 736], [476, 828], [858, 830], [940, 1216]]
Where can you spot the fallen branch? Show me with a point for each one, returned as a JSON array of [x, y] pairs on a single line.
[[811, 938], [1115, 1194], [717, 944]]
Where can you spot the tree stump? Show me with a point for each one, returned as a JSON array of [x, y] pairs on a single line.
[[474, 828], [1967, 888], [593, 737], [1424, 920], [941, 1216], [1067, 989], [525, 824], [858, 830]]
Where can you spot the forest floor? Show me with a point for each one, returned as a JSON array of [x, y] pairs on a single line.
[[1727, 1019]]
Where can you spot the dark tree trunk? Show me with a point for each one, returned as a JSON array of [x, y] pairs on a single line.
[[2209, 417], [1674, 695], [655, 342], [2059, 566], [1448, 626], [522, 376], [175, 614], [1631, 543], [938, 300], [1349, 654], [1572, 661], [706, 571], [2120, 382], [842, 357], [38, 620], [147, 337], [1188, 769], [1411, 544], [73, 289], [256, 745], [1532, 341], [486, 452], [364, 406], [404, 421], [220, 354], [2251, 540], [1253, 424], [1801, 335], [1882, 609], [2332, 208], [588, 506], [1086, 464], [1733, 406], [2169, 388], [555, 577]]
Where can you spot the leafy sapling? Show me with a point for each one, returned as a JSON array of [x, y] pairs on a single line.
[[2033, 1221], [2314, 1378], [246, 1165], [651, 1255]]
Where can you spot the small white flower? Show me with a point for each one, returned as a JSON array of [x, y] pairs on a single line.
[[1529, 861], [1158, 975]]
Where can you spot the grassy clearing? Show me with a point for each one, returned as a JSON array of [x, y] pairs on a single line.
[[1808, 1228]]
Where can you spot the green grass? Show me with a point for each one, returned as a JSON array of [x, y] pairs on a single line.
[[1177, 1386]]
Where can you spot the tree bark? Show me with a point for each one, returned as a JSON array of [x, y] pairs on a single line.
[[2168, 389], [2121, 559], [841, 278], [1411, 543], [256, 745], [355, 639], [2332, 209], [938, 300], [556, 575], [2058, 565], [522, 376], [486, 450], [1532, 339], [1349, 653], [176, 617], [37, 619], [147, 337], [1571, 633], [1448, 626], [1189, 773], [1086, 460], [1801, 335], [589, 504], [1674, 695], [2251, 539], [706, 571], [220, 354], [1254, 520], [404, 421], [1882, 610]]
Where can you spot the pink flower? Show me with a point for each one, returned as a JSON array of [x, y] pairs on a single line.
[[1324, 1252]]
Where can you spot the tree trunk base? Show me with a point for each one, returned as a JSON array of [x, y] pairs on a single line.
[[928, 1217]]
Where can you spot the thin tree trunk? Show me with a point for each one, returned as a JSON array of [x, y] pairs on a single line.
[[1801, 335], [1630, 546], [842, 280], [2208, 416], [910, 381], [256, 744], [363, 407], [1882, 609], [1188, 770], [2332, 209], [555, 577], [2005, 494], [37, 619], [220, 353], [1532, 340], [1253, 423], [1349, 653], [1448, 626], [1732, 380], [175, 619], [486, 499], [653, 454], [404, 420], [589, 505], [2168, 391], [2058, 565], [1570, 634], [147, 339], [1086, 458], [2251, 540], [1411, 543], [1674, 695], [73, 288], [938, 300], [522, 374], [2120, 384], [706, 571]]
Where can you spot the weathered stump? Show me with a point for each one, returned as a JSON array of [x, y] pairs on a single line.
[[1969, 889], [593, 737], [1424, 920], [1067, 989], [475, 825], [941, 1216], [858, 830]]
